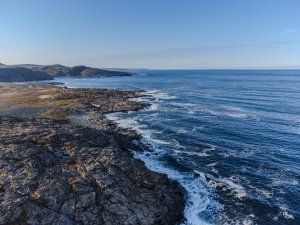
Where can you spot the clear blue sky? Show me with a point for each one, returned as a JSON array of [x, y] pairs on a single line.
[[152, 33]]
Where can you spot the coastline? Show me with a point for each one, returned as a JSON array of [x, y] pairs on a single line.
[[63, 162]]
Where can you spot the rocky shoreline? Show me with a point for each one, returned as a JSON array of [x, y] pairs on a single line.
[[62, 162]]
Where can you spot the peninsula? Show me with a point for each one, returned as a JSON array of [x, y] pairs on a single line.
[[30, 72], [62, 162]]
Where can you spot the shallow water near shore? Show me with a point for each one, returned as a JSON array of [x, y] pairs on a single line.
[[231, 138]]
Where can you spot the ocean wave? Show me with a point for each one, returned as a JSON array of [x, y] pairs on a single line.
[[280, 177], [236, 115], [177, 144], [200, 154], [132, 123], [204, 152], [223, 110], [225, 184], [153, 97], [192, 108], [183, 105], [247, 220], [158, 94], [261, 192], [284, 212], [138, 99], [212, 168], [196, 128], [199, 198], [181, 131], [198, 194], [152, 107], [233, 108]]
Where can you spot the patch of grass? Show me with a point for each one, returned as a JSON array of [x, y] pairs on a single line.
[[37, 97], [33, 99]]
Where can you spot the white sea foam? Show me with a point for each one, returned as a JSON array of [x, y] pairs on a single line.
[[236, 114], [153, 107], [212, 164], [184, 105], [200, 127], [177, 145], [238, 190], [203, 153], [181, 131], [248, 220], [132, 123], [200, 154], [190, 108], [261, 192], [159, 94], [214, 170], [153, 97], [233, 108], [212, 167], [233, 114], [210, 147], [198, 193], [284, 213], [229, 111], [139, 99]]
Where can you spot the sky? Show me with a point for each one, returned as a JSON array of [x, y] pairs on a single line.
[[154, 34]]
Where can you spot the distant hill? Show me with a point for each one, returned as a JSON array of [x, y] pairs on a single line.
[[31, 72], [76, 71], [19, 74]]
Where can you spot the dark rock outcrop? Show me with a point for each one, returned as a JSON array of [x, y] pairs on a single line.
[[62, 162]]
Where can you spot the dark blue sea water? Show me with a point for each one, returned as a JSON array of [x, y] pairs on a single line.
[[231, 138]]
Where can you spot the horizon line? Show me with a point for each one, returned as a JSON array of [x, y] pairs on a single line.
[[145, 68]]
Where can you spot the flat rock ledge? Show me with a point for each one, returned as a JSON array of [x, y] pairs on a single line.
[[62, 162]]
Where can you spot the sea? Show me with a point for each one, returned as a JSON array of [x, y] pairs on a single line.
[[231, 138]]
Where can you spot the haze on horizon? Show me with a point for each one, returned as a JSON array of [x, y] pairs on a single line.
[[168, 34]]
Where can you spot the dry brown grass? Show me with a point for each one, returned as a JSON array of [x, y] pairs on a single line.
[[18, 96], [34, 96]]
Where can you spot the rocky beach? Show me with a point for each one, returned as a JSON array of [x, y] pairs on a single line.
[[63, 162]]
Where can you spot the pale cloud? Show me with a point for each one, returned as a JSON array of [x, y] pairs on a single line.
[[287, 31]]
